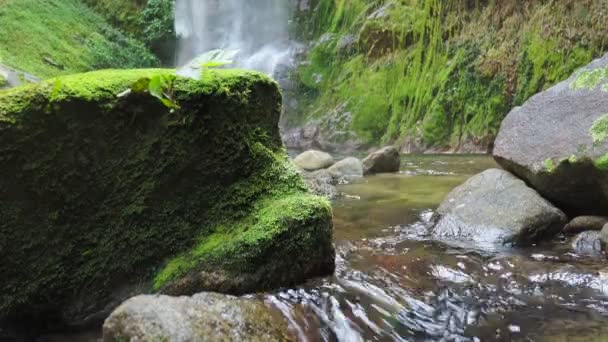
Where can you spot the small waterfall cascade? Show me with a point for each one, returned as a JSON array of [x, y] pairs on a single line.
[[258, 29]]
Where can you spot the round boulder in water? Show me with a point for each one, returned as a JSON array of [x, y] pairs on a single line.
[[313, 160], [558, 141], [584, 223], [346, 169], [384, 160], [203, 317], [495, 208]]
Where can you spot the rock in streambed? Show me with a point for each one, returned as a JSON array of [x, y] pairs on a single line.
[[202, 317], [496, 208]]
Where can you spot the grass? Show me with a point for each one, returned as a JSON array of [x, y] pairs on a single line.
[[58, 37]]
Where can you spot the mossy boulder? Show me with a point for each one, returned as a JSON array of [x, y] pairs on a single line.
[[107, 194], [557, 141]]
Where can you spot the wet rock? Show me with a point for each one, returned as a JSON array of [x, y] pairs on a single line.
[[203, 317], [321, 183], [558, 141], [604, 235], [583, 223], [588, 242], [384, 160], [313, 160], [494, 207], [346, 169]]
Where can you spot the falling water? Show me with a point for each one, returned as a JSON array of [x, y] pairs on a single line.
[[258, 29]]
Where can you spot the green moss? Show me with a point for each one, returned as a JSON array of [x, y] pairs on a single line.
[[236, 245], [599, 129], [3, 81], [101, 190], [590, 79], [601, 163], [549, 165], [64, 37]]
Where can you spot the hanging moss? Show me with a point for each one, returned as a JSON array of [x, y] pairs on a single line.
[[443, 71]]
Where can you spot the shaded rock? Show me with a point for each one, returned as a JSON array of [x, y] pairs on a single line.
[[346, 169], [332, 132], [588, 242], [583, 223], [384, 160], [494, 207], [313, 160], [203, 317], [558, 141], [321, 183]]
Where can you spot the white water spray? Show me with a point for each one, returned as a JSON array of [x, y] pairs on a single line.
[[258, 29]]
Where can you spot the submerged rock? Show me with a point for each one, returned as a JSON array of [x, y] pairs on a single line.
[[583, 223], [346, 169], [108, 196], [558, 141], [203, 317], [588, 242], [494, 207], [384, 160], [313, 160]]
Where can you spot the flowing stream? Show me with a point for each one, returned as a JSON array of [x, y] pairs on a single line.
[[393, 283]]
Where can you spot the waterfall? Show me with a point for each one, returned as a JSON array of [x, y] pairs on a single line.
[[258, 29]]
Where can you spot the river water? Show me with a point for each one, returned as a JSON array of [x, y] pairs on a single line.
[[393, 283]]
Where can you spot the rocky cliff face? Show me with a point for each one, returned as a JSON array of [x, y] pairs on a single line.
[[109, 192], [429, 74]]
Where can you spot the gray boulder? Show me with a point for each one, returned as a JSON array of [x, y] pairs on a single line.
[[384, 160], [494, 207], [313, 160], [588, 242], [321, 183], [203, 317], [346, 169], [558, 141], [584, 223]]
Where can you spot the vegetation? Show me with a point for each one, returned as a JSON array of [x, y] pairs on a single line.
[[105, 184], [57, 37], [443, 72], [150, 21]]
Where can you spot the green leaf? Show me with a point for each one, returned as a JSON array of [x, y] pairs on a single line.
[[156, 87]]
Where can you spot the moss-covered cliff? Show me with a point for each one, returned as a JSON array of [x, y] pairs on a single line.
[[58, 37], [438, 74], [107, 195]]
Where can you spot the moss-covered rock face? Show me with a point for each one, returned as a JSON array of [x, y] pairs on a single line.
[[106, 196], [437, 74]]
